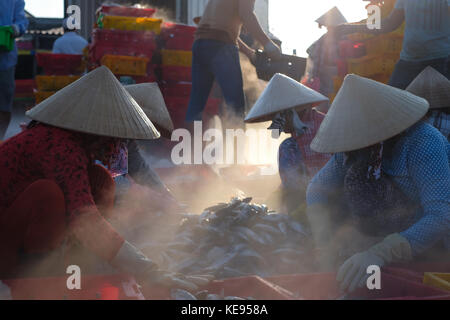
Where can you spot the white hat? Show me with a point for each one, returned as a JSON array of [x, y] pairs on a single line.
[[151, 100], [331, 18], [96, 104], [432, 86], [282, 93], [366, 112]]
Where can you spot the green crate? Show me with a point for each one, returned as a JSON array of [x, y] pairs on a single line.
[[6, 38]]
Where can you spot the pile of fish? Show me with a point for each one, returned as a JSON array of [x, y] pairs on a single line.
[[238, 239], [179, 294]]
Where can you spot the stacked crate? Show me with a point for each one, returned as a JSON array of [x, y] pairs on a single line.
[[176, 72], [370, 56], [124, 40], [59, 70]]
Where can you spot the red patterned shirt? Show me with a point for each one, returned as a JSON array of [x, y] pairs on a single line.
[[46, 152]]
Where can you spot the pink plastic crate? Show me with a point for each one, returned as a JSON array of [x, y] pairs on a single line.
[[128, 11], [323, 286], [93, 287], [176, 89], [60, 64], [178, 36], [177, 74]]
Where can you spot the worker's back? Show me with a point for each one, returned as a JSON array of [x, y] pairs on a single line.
[[70, 43], [220, 21]]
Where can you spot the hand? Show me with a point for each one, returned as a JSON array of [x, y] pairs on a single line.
[[16, 30], [353, 273], [273, 51]]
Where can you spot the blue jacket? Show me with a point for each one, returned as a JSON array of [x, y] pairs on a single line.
[[12, 13], [420, 168]]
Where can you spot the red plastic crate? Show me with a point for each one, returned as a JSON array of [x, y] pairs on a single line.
[[177, 74], [244, 287], [60, 64], [128, 11], [93, 287], [323, 286], [24, 88], [178, 36], [416, 271], [342, 67], [120, 42], [176, 89]]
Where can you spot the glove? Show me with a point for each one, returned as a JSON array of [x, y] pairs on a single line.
[[353, 273], [272, 50], [132, 261]]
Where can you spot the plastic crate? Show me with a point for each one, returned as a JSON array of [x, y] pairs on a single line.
[[323, 286], [42, 95], [178, 36], [54, 83], [119, 42], [253, 286], [437, 280], [177, 58], [370, 65], [128, 11], [6, 38], [173, 73], [176, 89], [131, 23], [113, 287], [24, 87], [125, 65], [98, 51], [177, 107], [390, 44], [337, 83], [60, 64]]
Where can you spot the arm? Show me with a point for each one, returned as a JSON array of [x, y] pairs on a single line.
[[251, 23], [320, 190], [429, 168], [393, 22], [140, 171], [249, 52], [20, 21]]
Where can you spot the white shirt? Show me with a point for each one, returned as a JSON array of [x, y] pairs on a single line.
[[70, 43]]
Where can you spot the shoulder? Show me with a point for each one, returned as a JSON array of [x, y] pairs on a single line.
[[425, 141]]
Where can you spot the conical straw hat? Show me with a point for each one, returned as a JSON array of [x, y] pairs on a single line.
[[331, 18], [433, 87], [282, 93], [150, 98], [96, 104], [366, 112]]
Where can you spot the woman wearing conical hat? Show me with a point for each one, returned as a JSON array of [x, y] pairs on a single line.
[[435, 88], [136, 180], [289, 105], [389, 179], [53, 191]]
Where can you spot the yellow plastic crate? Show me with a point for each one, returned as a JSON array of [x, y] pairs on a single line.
[[384, 44], [383, 78], [437, 280], [132, 24], [178, 58], [126, 65], [54, 83], [372, 64], [42, 95]]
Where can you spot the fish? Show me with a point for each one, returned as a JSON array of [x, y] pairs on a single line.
[[179, 294]]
